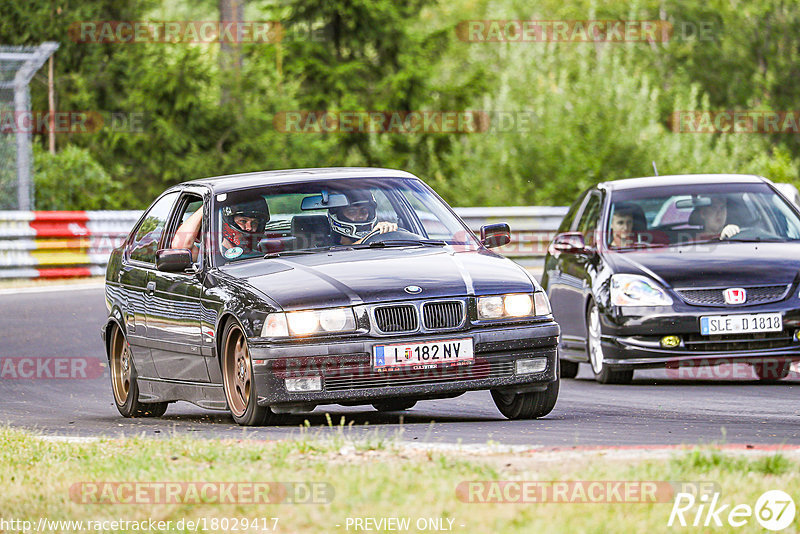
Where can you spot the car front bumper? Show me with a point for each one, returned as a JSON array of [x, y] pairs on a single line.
[[633, 340], [348, 377]]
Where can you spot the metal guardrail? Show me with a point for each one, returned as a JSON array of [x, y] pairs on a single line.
[[57, 244]]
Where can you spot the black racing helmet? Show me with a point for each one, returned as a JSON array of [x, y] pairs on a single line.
[[346, 227]]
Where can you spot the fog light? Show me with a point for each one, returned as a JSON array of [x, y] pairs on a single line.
[[670, 342], [306, 383], [797, 335], [533, 365]]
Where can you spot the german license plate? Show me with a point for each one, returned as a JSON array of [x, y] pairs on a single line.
[[428, 355], [712, 325]]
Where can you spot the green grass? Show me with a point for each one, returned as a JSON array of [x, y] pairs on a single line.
[[377, 477]]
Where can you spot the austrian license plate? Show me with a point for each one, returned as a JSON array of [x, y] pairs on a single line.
[[428, 355], [740, 324]]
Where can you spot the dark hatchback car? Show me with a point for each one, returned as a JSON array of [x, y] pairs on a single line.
[[270, 293], [677, 271]]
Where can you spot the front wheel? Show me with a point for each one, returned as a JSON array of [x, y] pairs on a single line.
[[602, 373], [238, 383], [529, 405], [123, 381]]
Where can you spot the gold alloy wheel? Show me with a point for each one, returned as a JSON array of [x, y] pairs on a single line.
[[121, 363], [237, 371]]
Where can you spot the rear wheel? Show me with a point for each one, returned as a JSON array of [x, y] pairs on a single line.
[[394, 405], [238, 382], [123, 381], [569, 369], [602, 373], [529, 405], [774, 370]]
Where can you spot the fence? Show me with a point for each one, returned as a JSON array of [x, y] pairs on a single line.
[[18, 65], [56, 244]]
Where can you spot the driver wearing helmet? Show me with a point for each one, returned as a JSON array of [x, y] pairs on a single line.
[[243, 227], [355, 222]]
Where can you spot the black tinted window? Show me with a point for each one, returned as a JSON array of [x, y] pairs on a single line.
[[145, 242]]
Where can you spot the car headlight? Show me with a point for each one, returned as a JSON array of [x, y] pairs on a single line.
[[635, 290], [309, 322], [513, 305]]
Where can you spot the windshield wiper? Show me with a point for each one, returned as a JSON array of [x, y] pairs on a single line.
[[405, 243], [639, 246], [756, 240], [293, 252]]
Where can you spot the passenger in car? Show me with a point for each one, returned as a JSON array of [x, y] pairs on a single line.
[[243, 227]]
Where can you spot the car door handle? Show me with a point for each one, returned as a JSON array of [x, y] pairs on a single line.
[[151, 287]]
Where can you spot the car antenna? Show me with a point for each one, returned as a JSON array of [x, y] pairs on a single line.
[[654, 167]]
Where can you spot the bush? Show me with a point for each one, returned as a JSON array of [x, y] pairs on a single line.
[[73, 180]]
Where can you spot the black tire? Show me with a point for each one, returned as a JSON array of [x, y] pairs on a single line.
[[124, 385], [772, 371], [569, 369], [594, 349], [238, 383], [530, 405], [394, 405]]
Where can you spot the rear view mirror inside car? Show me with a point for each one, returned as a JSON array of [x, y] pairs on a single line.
[[324, 201]]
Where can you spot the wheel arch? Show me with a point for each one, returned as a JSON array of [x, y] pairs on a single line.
[[108, 329]]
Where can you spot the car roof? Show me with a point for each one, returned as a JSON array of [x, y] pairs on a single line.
[[680, 179], [232, 182]]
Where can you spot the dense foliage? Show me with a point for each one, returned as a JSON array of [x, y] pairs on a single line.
[[578, 113]]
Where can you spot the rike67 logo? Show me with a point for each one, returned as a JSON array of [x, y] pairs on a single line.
[[774, 510]]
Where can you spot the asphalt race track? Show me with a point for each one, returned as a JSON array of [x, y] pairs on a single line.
[[724, 406]]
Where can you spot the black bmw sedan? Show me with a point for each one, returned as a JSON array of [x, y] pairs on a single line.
[[271, 293], [677, 271]]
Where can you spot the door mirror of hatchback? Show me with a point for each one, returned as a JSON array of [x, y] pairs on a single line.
[[495, 235], [173, 260], [569, 242]]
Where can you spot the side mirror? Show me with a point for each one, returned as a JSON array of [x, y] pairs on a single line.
[[173, 260], [495, 235], [569, 243]]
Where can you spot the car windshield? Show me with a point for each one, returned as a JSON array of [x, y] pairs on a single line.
[[676, 215], [344, 214]]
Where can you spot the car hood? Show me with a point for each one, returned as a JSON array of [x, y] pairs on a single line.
[[727, 264], [351, 277]]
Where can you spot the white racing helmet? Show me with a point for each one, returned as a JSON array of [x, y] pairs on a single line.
[[354, 229]]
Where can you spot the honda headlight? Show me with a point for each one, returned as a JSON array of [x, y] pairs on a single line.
[[309, 322], [636, 290]]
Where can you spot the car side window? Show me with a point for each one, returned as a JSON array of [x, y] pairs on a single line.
[[589, 218], [187, 230], [144, 245], [566, 222]]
